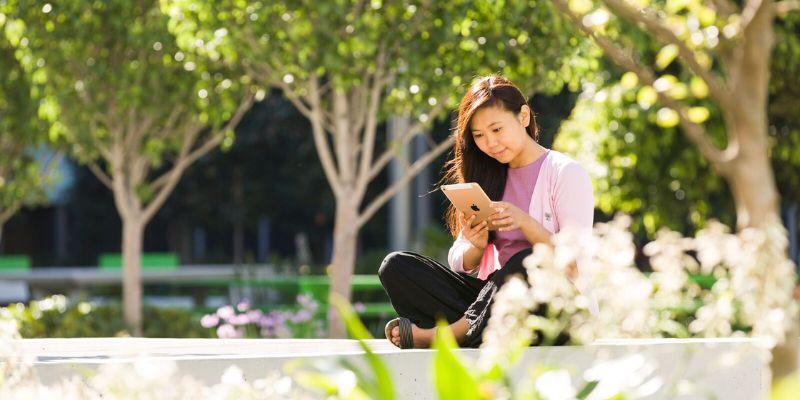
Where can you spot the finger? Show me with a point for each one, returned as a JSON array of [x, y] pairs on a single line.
[[500, 215], [480, 225], [504, 221], [509, 227], [499, 205]]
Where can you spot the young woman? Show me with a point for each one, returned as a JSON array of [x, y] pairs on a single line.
[[535, 193]]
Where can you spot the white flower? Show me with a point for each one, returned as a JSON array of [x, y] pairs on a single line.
[[555, 385], [624, 376], [507, 330], [233, 375]]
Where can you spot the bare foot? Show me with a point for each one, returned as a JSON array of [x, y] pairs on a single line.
[[422, 337]]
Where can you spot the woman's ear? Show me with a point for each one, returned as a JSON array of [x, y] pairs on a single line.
[[524, 115]]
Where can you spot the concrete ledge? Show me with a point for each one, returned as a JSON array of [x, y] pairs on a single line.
[[720, 368]]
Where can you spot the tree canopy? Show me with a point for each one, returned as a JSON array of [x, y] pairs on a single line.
[[640, 162]]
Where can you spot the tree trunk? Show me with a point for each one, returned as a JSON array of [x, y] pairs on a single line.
[[750, 176], [345, 235], [132, 237], [756, 198], [752, 182]]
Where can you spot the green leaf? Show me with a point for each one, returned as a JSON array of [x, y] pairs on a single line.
[[360, 333], [580, 6], [667, 117], [629, 80], [646, 97], [452, 378], [666, 55], [674, 6], [317, 381], [587, 390], [786, 388], [698, 87], [698, 115]]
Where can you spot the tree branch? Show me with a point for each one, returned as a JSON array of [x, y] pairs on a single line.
[[100, 174], [371, 124], [9, 212], [320, 139], [694, 132], [414, 130], [343, 137], [412, 171], [724, 7], [751, 10], [716, 88], [184, 160], [169, 180]]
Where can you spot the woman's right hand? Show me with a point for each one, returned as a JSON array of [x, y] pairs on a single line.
[[477, 234]]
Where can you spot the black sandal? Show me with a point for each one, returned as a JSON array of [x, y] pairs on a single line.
[[406, 338]]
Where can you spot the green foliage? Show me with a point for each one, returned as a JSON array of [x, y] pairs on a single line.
[[57, 317], [451, 376], [112, 71], [432, 49], [641, 163], [333, 380], [640, 168], [380, 385], [786, 388], [22, 126], [784, 120]]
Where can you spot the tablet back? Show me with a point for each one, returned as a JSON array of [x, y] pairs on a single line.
[[470, 199]]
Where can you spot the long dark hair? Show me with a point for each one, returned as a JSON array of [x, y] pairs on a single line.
[[469, 163]]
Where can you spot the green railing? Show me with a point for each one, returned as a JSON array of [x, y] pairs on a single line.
[[162, 261], [15, 263]]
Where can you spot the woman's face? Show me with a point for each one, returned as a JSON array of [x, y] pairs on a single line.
[[500, 133]]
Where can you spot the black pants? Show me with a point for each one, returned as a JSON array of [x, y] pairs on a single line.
[[422, 290]]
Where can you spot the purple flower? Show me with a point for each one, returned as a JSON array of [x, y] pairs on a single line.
[[282, 332], [268, 332], [266, 321], [279, 317], [209, 321], [243, 305], [225, 312], [306, 301], [254, 315], [238, 320], [359, 307], [302, 316], [227, 331]]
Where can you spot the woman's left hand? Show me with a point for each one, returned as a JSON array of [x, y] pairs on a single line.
[[507, 216]]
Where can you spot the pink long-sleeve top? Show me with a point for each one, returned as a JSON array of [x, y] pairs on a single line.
[[562, 196]]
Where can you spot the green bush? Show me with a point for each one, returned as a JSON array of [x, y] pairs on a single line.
[[56, 316]]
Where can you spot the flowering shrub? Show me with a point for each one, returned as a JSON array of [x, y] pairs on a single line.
[[58, 316], [230, 322], [144, 379], [752, 293]]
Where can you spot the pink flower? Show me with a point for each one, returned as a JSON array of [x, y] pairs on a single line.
[[240, 319], [359, 307], [243, 305], [227, 331], [254, 315], [209, 321], [225, 312], [302, 316]]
